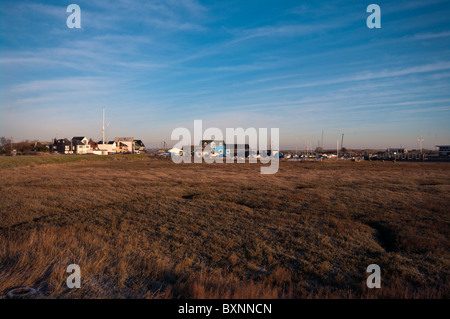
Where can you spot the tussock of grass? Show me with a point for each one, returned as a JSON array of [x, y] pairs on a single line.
[[148, 228]]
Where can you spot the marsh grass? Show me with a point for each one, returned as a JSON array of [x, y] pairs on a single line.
[[148, 228]]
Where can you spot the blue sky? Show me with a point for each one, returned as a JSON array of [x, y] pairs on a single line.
[[301, 66]]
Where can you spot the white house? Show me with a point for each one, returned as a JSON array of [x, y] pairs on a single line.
[[81, 145], [124, 144]]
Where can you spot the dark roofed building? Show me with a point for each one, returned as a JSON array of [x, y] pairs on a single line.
[[63, 146], [396, 151], [139, 145], [444, 150]]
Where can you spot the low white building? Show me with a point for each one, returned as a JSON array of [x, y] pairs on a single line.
[[175, 150], [100, 152], [109, 147]]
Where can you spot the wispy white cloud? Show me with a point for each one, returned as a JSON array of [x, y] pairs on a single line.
[[61, 84], [441, 66], [431, 35], [410, 5], [291, 30]]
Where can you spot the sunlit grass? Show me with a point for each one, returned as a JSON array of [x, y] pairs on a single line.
[[148, 228]]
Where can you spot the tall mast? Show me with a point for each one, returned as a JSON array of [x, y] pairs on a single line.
[[421, 141], [103, 127], [322, 140], [337, 148]]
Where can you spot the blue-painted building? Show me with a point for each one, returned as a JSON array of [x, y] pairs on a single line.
[[216, 147]]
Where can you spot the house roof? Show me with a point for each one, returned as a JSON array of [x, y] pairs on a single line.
[[79, 138], [139, 142], [62, 140], [124, 139]]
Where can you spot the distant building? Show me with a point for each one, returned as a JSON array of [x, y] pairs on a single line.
[[219, 147], [444, 150], [80, 145], [123, 148], [189, 148], [395, 151], [109, 147], [215, 147], [175, 150], [237, 149], [139, 145], [124, 144], [63, 146]]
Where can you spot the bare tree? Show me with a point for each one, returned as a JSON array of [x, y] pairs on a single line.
[[3, 142]]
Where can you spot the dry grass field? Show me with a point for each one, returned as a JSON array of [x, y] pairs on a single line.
[[142, 227]]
